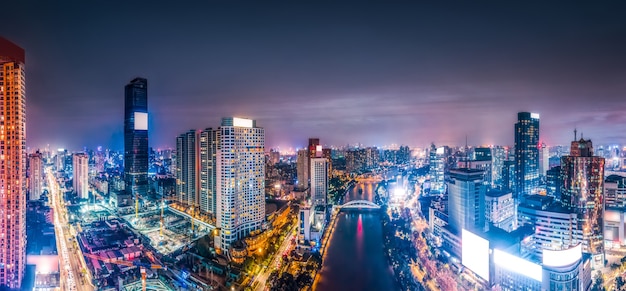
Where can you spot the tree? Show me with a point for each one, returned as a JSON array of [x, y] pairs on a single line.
[[598, 282]]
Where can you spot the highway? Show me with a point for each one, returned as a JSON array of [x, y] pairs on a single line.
[[261, 279], [71, 258]]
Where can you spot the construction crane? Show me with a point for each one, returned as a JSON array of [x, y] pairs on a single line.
[[142, 266]]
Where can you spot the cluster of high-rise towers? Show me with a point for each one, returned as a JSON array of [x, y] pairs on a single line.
[[219, 171]]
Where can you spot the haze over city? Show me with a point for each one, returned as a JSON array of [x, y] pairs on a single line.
[[372, 73]]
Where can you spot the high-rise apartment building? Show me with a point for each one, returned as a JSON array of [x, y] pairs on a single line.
[[553, 183], [526, 154], [544, 159], [437, 168], [498, 156], [582, 192], [208, 139], [35, 176], [319, 181], [240, 180], [13, 165], [302, 164], [466, 199], [136, 138], [80, 166], [186, 168]]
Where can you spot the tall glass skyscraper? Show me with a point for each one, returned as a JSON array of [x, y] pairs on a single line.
[[240, 164], [13, 165], [186, 168], [526, 154], [136, 138], [582, 192]]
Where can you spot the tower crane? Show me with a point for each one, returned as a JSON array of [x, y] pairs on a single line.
[[142, 266]]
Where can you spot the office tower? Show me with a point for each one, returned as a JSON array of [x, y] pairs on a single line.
[[240, 180], [13, 163], [498, 156], [508, 176], [35, 175], [208, 151], [186, 170], [500, 209], [482, 161], [437, 167], [316, 151], [59, 160], [544, 159], [466, 199], [136, 138], [553, 183], [319, 181], [526, 154], [615, 191], [582, 192], [302, 169], [80, 166]]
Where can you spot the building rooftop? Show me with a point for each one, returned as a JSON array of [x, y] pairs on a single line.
[[498, 193]]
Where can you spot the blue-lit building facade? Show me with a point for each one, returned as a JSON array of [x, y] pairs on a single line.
[[526, 154], [136, 138]]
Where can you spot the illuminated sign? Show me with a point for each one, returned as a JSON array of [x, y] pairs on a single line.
[[440, 150], [141, 121], [562, 258], [242, 122], [475, 253], [534, 115], [517, 265]]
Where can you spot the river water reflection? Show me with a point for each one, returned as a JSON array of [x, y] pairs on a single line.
[[355, 258]]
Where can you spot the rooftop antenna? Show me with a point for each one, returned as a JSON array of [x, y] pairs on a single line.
[[575, 134]]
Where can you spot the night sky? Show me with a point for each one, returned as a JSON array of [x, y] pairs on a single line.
[[374, 73]]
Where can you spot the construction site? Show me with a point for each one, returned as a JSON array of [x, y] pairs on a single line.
[[167, 229]]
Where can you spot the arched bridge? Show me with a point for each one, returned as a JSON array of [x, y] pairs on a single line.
[[360, 204]]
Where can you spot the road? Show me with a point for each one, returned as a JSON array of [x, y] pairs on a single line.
[[71, 258], [261, 279]]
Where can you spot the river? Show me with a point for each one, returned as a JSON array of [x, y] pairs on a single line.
[[355, 258]]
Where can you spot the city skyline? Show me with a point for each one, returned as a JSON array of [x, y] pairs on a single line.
[[374, 73]]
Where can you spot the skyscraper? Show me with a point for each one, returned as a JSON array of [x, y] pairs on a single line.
[[80, 166], [466, 199], [136, 138], [186, 170], [582, 192], [240, 180], [319, 181], [13, 175], [35, 175], [302, 164], [544, 160], [526, 154], [437, 168], [208, 151]]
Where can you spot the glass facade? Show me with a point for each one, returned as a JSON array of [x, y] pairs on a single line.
[[526, 154], [136, 138]]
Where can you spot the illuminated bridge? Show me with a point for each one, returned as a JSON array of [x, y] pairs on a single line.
[[359, 204]]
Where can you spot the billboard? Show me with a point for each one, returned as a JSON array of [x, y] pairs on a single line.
[[242, 122], [562, 258], [475, 253], [141, 121], [517, 265]]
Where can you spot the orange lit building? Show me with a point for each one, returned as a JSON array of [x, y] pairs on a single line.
[[12, 165]]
